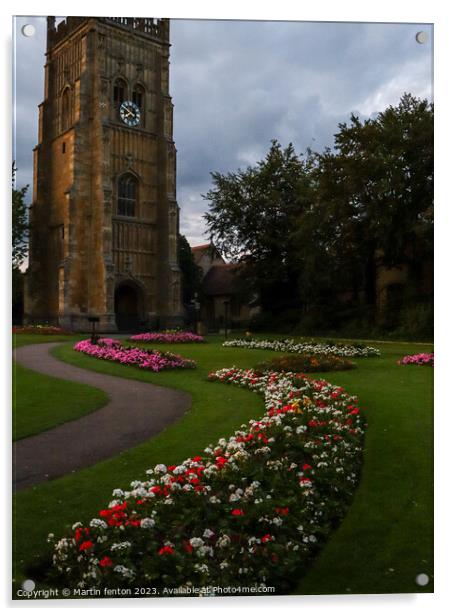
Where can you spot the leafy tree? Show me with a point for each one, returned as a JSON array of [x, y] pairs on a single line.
[[19, 245], [251, 219], [373, 198], [19, 222], [191, 273]]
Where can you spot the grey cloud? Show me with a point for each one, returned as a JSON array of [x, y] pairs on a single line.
[[237, 84]]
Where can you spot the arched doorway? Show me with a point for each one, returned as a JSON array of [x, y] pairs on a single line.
[[127, 307]]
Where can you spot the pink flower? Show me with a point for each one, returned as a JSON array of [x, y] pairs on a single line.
[[421, 359], [112, 350], [170, 337]]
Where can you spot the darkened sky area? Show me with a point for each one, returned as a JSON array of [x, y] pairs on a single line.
[[238, 84]]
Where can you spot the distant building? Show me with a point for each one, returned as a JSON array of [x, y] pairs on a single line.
[[222, 294], [205, 256]]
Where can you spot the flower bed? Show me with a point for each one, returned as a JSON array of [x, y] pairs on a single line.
[[170, 337], [313, 348], [305, 363], [40, 329], [421, 359], [113, 350], [251, 509]]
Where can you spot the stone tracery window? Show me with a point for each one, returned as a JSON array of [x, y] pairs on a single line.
[[66, 112], [138, 96], [127, 195], [119, 92]]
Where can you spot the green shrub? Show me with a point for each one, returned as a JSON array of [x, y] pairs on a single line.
[[416, 322], [305, 363]]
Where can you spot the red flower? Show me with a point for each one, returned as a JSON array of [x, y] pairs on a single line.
[[282, 510], [237, 512], [220, 461], [188, 547], [80, 533], [266, 538], [306, 467], [166, 550], [86, 545], [106, 561]]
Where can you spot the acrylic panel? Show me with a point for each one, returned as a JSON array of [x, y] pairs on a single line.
[[222, 308]]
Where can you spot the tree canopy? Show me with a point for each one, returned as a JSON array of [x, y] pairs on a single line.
[[19, 222], [191, 273], [310, 226], [251, 217]]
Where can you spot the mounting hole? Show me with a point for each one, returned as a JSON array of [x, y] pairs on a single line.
[[29, 585], [422, 579], [421, 37], [28, 30]]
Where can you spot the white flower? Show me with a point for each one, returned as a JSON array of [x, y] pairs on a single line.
[[223, 541], [180, 470], [160, 468], [96, 523], [124, 545], [147, 523], [204, 550], [208, 533], [201, 568], [196, 542], [126, 573]]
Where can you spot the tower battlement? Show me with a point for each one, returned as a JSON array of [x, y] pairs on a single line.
[[149, 26]]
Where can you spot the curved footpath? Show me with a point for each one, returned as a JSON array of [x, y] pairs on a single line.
[[135, 412]]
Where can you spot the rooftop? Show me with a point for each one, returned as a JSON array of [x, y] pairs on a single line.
[[221, 280]]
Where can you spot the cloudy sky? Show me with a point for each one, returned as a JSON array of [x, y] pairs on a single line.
[[238, 84]]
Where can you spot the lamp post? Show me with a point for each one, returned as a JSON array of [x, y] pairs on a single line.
[[196, 306], [94, 336], [226, 316]]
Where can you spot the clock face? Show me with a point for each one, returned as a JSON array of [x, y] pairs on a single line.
[[129, 113]]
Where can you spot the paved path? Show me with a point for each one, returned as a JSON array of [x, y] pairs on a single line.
[[136, 411]]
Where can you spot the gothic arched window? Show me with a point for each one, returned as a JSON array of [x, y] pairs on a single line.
[[66, 119], [127, 195], [119, 92], [138, 96]]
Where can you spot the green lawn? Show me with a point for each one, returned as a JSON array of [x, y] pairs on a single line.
[[386, 538], [41, 402]]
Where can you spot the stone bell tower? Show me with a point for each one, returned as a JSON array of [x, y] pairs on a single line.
[[104, 219]]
